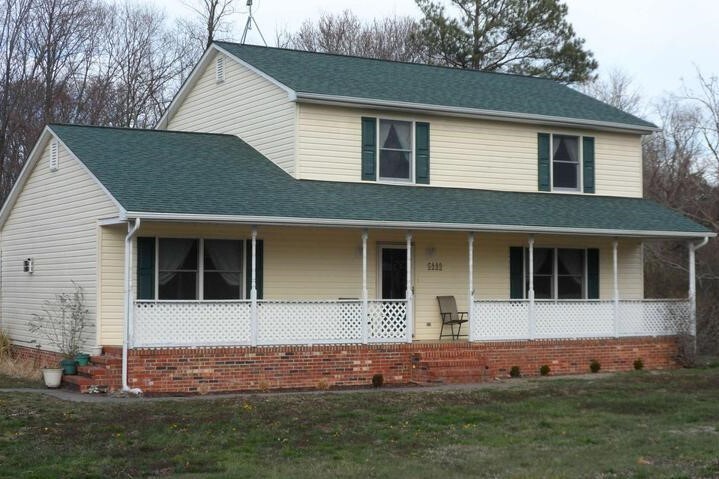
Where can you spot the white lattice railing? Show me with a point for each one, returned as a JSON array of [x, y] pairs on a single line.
[[514, 319], [227, 323], [191, 323]]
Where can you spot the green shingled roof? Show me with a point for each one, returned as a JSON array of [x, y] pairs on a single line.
[[206, 174], [366, 78]]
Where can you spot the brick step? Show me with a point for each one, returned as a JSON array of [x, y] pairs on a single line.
[[106, 360], [455, 353], [452, 363], [92, 371], [78, 383], [456, 376], [112, 351]]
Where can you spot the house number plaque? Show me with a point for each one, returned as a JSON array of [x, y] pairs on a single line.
[[434, 266]]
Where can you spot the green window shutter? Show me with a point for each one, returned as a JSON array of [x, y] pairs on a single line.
[[516, 272], [421, 140], [592, 273], [543, 156], [369, 149], [145, 268], [588, 163], [259, 258]]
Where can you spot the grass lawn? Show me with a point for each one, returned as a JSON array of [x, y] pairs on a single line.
[[626, 425]]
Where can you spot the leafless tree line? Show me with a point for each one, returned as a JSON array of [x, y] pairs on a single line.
[[90, 62]]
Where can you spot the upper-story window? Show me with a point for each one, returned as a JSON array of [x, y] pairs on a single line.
[[566, 171], [395, 150], [566, 163]]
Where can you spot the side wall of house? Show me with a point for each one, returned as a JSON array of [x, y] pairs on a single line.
[[464, 153], [54, 222], [326, 263], [244, 104]]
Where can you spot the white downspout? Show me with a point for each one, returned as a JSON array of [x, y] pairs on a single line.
[[128, 304], [693, 287]]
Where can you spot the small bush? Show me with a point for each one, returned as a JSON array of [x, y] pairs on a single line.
[[638, 364], [4, 345], [544, 370], [377, 380], [514, 372], [594, 366]]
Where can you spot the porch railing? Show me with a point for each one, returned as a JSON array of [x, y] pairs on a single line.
[[568, 319], [228, 323]]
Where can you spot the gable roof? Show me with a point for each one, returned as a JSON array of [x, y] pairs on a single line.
[[320, 76], [202, 176]]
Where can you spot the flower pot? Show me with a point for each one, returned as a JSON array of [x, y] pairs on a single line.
[[82, 359], [69, 367], [52, 377], [96, 351]]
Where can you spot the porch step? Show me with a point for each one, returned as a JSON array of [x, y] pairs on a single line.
[[92, 371], [106, 360], [78, 383], [450, 365]]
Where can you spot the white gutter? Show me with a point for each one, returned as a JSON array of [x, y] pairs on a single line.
[[280, 221], [702, 243], [128, 304], [531, 118]]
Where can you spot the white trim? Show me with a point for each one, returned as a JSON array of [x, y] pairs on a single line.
[[121, 209], [477, 113], [416, 225], [32, 161], [291, 94]]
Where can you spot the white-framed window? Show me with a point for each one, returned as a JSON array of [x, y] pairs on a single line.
[[559, 273], [566, 162], [199, 269], [395, 145]]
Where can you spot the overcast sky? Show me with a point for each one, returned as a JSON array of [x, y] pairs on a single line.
[[659, 43]]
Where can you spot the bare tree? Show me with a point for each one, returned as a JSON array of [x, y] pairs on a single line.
[[211, 20], [392, 38], [617, 89]]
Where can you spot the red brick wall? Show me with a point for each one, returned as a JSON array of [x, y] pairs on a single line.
[[214, 370], [209, 370], [41, 358]]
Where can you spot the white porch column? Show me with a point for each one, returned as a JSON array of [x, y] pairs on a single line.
[[615, 290], [470, 282], [253, 288], [692, 292], [409, 294], [530, 293], [365, 317]]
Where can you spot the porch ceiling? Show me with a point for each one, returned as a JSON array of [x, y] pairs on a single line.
[[207, 177]]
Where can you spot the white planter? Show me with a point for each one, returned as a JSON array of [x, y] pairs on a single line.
[[52, 377], [96, 351]]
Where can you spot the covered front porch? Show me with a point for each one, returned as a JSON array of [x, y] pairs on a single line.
[[306, 285]]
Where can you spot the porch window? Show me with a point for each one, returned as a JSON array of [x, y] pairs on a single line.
[[222, 262], [395, 150], [195, 269], [559, 273]]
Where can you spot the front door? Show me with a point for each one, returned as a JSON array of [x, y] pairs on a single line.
[[393, 277]]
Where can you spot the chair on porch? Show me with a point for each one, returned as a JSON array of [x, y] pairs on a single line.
[[450, 316]]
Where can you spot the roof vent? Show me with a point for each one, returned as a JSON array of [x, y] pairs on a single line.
[[219, 69], [54, 157]]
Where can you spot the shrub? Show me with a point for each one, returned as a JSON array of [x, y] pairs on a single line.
[[4, 345], [62, 322], [514, 372], [638, 364], [544, 370], [377, 380], [594, 366]]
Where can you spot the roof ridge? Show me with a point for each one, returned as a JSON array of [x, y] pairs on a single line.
[[383, 60], [143, 130]]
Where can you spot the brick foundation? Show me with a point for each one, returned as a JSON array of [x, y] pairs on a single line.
[[41, 358], [215, 370]]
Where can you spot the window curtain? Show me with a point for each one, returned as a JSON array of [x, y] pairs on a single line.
[[566, 149], [173, 254], [226, 258]]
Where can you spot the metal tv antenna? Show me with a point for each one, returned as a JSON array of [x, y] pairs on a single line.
[[248, 25]]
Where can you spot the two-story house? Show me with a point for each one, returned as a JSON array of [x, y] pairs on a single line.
[[295, 216]]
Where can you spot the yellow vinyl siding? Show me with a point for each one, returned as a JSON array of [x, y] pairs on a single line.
[[464, 153], [244, 104], [54, 221], [326, 263], [112, 284]]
